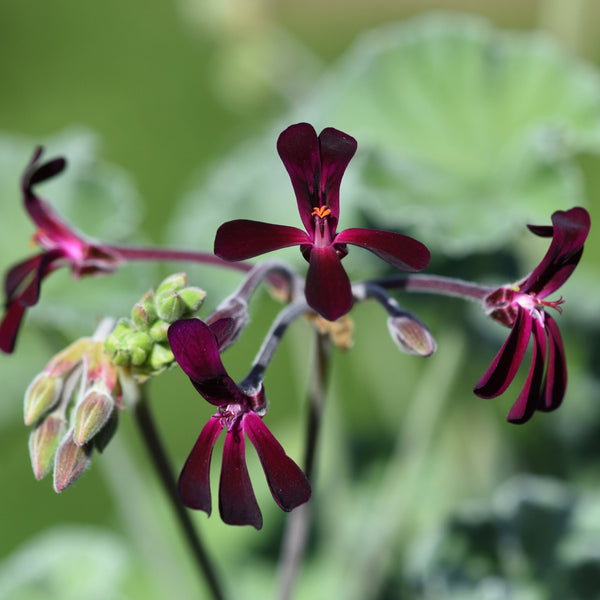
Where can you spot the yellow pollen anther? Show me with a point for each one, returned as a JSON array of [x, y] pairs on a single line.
[[320, 211]]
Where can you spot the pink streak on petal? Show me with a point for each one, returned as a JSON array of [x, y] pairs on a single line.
[[194, 480], [237, 502], [287, 482]]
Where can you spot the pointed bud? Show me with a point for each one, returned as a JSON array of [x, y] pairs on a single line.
[[160, 357], [143, 313], [91, 415], [70, 462], [169, 306], [173, 283], [43, 441], [158, 331], [411, 336], [41, 396], [192, 297]]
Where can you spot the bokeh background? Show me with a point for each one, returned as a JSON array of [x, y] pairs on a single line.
[[473, 118]]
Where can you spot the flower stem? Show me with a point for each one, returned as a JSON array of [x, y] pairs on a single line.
[[298, 524], [162, 465]]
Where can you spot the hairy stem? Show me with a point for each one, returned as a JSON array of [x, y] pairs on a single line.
[[162, 465], [298, 524]]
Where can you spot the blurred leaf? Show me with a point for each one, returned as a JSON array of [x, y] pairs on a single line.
[[69, 563], [465, 134]]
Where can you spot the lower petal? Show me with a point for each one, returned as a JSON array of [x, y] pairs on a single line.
[[328, 289], [504, 367], [194, 480], [287, 482], [555, 384], [237, 502], [9, 327]]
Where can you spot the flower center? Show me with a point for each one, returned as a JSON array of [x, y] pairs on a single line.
[[321, 212]]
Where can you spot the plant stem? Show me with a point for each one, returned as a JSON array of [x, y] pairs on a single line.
[[161, 463], [298, 524]]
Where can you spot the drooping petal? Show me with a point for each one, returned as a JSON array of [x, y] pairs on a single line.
[[555, 384], [196, 350], [298, 148], [504, 367], [15, 280], [194, 480], [287, 482], [237, 502], [337, 149], [242, 238], [327, 289], [9, 327], [569, 232], [528, 398], [398, 250]]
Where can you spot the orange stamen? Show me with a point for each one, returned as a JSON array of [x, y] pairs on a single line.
[[320, 211]]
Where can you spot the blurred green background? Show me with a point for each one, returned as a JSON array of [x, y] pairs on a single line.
[[471, 122]]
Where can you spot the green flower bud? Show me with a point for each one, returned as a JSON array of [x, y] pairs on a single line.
[[173, 283], [91, 415], [70, 462], [138, 345], [160, 357], [115, 341], [159, 330], [42, 445], [411, 336], [169, 306], [192, 297], [143, 313], [41, 396]]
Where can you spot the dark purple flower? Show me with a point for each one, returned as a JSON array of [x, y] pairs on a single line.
[[316, 166], [522, 307], [196, 349], [61, 246]]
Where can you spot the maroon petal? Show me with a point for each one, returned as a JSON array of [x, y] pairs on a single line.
[[337, 149], [194, 480], [287, 482], [298, 148], [9, 327], [504, 367], [528, 399], [196, 350], [242, 239], [398, 250], [24, 279], [237, 502], [555, 385], [328, 289], [569, 232], [222, 329]]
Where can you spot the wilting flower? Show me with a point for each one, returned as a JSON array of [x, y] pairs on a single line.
[[522, 307], [196, 349], [316, 166], [61, 246]]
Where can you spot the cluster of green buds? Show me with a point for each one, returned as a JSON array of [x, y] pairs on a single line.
[[140, 343], [72, 405]]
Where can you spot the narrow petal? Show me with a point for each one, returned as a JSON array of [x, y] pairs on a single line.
[[328, 289], [400, 251], [298, 148], [196, 350], [555, 385], [287, 482], [569, 232], [528, 398], [337, 149], [18, 274], [194, 480], [242, 239], [9, 327], [504, 367], [237, 502]]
